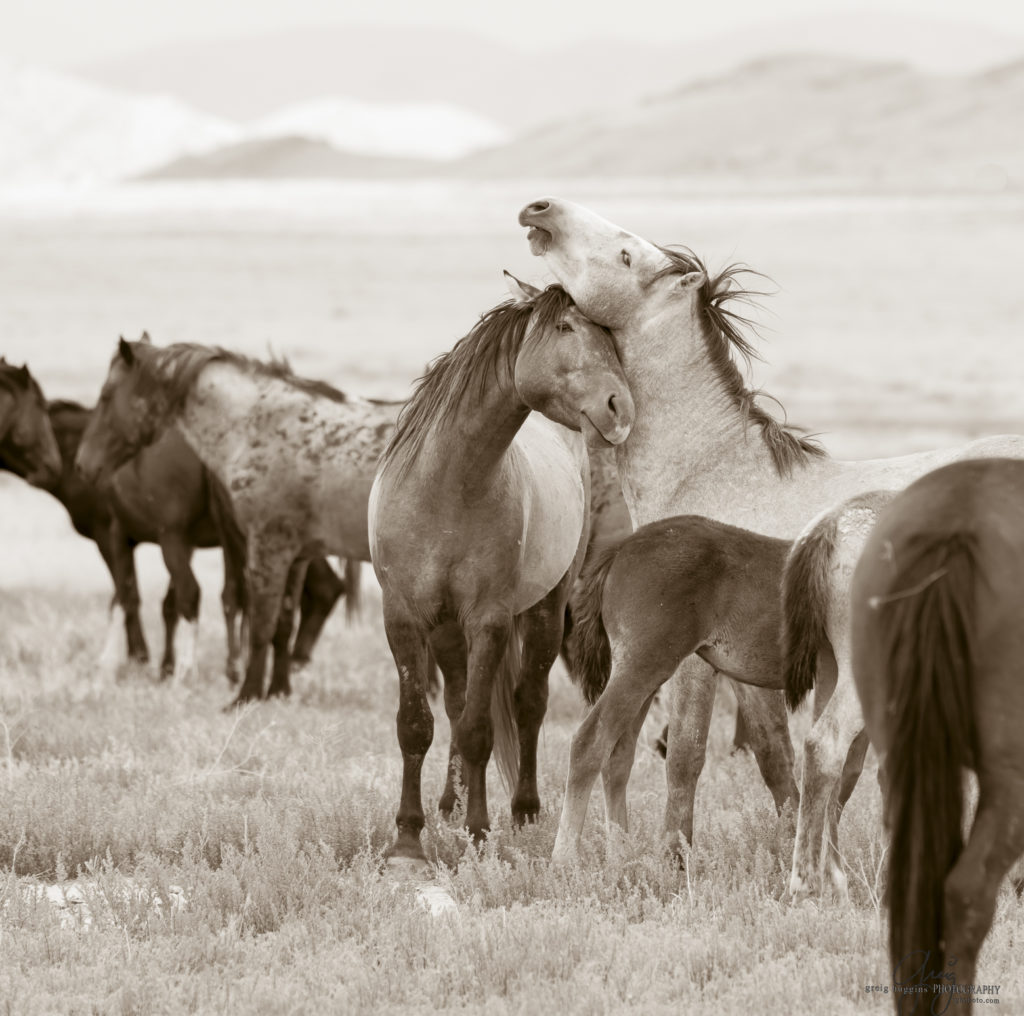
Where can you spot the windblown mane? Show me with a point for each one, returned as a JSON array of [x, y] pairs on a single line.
[[172, 370], [485, 356], [721, 327]]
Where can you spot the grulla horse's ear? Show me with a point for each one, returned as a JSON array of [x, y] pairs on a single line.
[[693, 280], [124, 349], [522, 292]]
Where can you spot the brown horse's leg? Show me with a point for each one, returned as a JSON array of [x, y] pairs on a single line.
[[995, 842], [169, 610], [487, 642], [615, 775], [635, 677], [415, 729], [449, 649], [767, 725], [280, 681], [691, 701], [320, 592], [233, 599], [177, 553], [118, 555], [542, 639], [268, 563]]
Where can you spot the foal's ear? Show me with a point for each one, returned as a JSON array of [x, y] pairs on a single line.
[[124, 349], [693, 280], [522, 292]]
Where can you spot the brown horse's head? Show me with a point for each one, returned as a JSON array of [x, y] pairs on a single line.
[[28, 446], [567, 368], [130, 415]]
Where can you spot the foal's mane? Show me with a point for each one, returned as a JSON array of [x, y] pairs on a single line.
[[721, 327], [171, 371], [483, 356]]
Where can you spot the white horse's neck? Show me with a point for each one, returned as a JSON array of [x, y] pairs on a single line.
[[692, 450]]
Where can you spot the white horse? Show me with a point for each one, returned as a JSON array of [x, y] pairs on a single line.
[[702, 445]]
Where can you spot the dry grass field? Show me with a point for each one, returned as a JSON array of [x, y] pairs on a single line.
[[897, 326]]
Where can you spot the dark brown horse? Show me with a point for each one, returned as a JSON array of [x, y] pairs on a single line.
[[684, 585], [27, 442], [938, 596]]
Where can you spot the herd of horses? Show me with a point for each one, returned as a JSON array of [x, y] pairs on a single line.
[[587, 472]]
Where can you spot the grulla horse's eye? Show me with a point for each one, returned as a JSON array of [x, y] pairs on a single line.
[[626, 259], [563, 327]]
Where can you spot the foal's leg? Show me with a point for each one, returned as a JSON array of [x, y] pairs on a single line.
[[415, 730], [448, 646], [766, 724], [269, 561], [542, 628], [635, 677], [826, 750], [233, 599], [169, 610], [177, 552], [691, 701], [487, 641], [280, 682], [320, 592], [615, 774], [995, 842], [118, 555]]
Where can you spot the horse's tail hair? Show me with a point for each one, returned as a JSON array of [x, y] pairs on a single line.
[[926, 633], [503, 711], [232, 538], [353, 586], [590, 654], [805, 602]]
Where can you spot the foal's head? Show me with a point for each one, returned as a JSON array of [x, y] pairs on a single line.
[[28, 446], [567, 367], [130, 413]]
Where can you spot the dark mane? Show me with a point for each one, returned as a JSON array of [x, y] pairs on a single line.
[[482, 357], [722, 329], [11, 380], [172, 371]]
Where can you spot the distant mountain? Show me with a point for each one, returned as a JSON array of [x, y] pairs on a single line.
[[55, 127], [287, 158], [250, 77], [424, 130], [795, 118]]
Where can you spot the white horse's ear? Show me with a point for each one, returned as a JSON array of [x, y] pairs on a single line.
[[522, 292], [693, 280]]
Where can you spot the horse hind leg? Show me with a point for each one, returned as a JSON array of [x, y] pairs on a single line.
[[833, 861], [169, 611], [766, 723], [616, 772], [321, 590], [280, 681], [971, 887], [177, 553]]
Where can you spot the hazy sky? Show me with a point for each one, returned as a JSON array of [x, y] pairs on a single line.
[[69, 32]]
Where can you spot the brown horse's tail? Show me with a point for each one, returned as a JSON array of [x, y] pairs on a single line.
[[353, 585], [805, 603], [926, 633], [590, 655], [503, 711]]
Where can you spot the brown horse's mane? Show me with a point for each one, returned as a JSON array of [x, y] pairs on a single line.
[[721, 327], [172, 370], [16, 379], [481, 357]]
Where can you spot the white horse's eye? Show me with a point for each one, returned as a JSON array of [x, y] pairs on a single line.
[[626, 259]]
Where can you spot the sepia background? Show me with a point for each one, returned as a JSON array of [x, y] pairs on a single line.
[[343, 191]]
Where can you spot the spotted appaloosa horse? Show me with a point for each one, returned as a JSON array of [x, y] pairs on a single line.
[[478, 522], [296, 456]]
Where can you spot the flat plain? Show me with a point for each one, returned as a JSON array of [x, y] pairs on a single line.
[[895, 326]]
